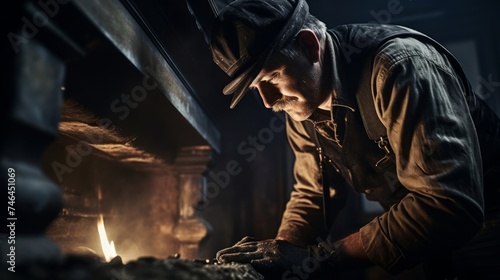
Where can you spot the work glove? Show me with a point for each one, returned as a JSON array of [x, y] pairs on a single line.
[[277, 258]]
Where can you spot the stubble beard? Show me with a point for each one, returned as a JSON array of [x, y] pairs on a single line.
[[303, 110], [299, 111]]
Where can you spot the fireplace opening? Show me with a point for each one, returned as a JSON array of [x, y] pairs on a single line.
[[131, 213], [103, 177]]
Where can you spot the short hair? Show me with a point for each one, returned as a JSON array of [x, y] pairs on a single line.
[[317, 26]]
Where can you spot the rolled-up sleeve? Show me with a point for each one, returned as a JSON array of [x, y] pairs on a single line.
[[422, 104]]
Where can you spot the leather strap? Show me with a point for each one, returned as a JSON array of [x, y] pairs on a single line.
[[373, 126]]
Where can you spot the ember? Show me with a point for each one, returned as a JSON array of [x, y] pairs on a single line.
[[148, 268]]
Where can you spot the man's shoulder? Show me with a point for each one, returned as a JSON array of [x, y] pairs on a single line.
[[376, 29], [359, 42], [362, 35]]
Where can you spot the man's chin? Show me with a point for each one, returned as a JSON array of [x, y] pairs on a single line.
[[297, 113], [298, 117]]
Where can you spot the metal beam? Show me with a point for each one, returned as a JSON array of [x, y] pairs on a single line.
[[142, 49]]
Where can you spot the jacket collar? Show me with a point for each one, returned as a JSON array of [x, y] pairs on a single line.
[[340, 97]]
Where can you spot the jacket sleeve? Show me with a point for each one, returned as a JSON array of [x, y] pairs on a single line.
[[303, 217], [421, 102]]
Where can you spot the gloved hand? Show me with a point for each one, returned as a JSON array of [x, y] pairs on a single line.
[[272, 258]]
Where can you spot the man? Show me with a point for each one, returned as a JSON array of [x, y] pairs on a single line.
[[382, 109]]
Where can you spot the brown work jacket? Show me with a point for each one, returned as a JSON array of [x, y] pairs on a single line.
[[426, 171]]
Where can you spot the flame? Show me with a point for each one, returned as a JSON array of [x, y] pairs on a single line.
[[108, 248]]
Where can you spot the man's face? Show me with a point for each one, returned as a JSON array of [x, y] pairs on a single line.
[[290, 85]]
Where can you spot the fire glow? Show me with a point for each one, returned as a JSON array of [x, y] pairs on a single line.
[[108, 248]]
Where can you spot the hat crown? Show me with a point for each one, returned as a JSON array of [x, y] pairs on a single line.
[[244, 30], [247, 33]]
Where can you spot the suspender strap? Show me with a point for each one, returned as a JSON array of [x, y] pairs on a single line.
[[373, 126]]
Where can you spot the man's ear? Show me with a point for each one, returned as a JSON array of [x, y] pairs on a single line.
[[309, 44]]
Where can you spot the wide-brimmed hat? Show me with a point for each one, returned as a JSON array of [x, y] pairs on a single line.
[[247, 32]]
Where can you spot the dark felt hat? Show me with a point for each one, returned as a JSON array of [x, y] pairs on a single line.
[[247, 32]]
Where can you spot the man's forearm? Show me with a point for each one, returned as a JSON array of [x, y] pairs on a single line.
[[351, 253]]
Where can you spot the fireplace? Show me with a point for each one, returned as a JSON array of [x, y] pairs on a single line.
[[101, 173], [104, 127]]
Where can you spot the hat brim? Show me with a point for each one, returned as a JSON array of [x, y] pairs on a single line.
[[239, 85]]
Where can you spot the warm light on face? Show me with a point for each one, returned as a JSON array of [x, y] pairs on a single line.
[[108, 248], [292, 85]]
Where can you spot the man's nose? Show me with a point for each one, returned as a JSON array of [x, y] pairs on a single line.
[[269, 94]]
